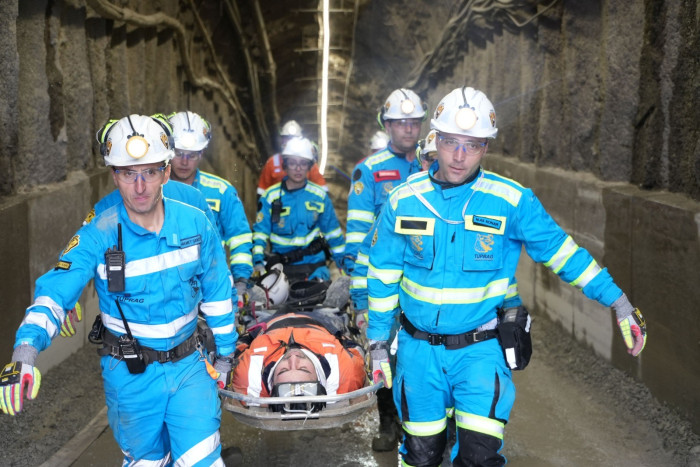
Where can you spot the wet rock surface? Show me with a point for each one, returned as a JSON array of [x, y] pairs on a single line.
[[572, 408]]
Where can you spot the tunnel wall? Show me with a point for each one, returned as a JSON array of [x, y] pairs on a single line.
[[67, 68]]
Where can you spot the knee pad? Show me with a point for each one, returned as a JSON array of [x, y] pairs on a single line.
[[423, 451], [478, 449]]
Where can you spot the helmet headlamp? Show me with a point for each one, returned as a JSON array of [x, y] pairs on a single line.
[[137, 146], [407, 106], [466, 118], [187, 140]]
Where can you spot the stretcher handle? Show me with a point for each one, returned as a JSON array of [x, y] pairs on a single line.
[[301, 399]]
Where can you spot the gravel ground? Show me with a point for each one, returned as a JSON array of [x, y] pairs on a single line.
[[71, 395]]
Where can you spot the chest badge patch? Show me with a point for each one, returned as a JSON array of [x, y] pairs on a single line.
[[483, 243]]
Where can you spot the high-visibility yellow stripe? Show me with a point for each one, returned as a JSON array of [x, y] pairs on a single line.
[[335, 233], [362, 216], [295, 241], [314, 206], [485, 425], [566, 251], [586, 276], [425, 428], [512, 290], [258, 250], [454, 296], [241, 258], [500, 189], [214, 204], [385, 304], [386, 276], [238, 240], [260, 236]]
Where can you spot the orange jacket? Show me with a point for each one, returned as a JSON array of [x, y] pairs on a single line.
[[347, 366], [273, 172]]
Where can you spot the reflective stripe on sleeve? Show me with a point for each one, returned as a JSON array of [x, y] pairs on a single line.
[[219, 308], [566, 251], [591, 271], [238, 240], [386, 276], [383, 305], [362, 216], [355, 237]]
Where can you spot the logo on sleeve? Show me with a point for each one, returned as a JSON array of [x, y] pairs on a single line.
[[75, 241], [358, 187]]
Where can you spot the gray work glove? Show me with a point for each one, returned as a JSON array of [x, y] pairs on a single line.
[[17, 376], [632, 325], [379, 357], [224, 366]]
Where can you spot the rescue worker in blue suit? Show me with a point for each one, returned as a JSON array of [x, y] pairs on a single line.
[[192, 135], [155, 263], [375, 176], [297, 217], [444, 253]]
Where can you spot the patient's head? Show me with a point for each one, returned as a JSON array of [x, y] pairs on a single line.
[[295, 366]]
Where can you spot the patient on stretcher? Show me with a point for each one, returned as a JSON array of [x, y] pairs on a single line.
[[298, 353]]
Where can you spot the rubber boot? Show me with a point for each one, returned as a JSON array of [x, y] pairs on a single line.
[[389, 426]]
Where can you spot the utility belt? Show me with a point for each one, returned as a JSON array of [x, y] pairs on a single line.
[[318, 244], [111, 346], [450, 341]]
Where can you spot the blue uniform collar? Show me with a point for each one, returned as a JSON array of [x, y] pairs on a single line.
[[401, 155], [283, 185], [449, 190]]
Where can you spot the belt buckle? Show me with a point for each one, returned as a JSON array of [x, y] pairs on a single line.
[[475, 337], [435, 339]]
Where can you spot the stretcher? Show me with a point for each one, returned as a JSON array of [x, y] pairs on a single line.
[[339, 410]]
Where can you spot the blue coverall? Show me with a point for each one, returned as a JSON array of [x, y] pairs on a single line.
[[171, 412], [231, 221], [448, 275], [304, 215], [372, 180]]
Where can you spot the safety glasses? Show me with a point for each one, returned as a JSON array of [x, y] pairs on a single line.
[[147, 175]]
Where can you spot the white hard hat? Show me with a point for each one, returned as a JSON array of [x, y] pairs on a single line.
[[135, 140], [276, 285], [465, 111], [190, 131], [299, 147], [427, 145], [379, 141], [291, 128], [402, 103]]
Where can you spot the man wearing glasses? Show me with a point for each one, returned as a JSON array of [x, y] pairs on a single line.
[[192, 135], [372, 180], [459, 232], [297, 217], [155, 263]]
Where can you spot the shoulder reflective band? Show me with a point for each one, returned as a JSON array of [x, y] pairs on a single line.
[[314, 206], [414, 225], [487, 224], [384, 175]]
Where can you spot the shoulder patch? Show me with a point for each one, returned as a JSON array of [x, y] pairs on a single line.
[[357, 174], [358, 187], [90, 216], [259, 217], [75, 241], [65, 265]]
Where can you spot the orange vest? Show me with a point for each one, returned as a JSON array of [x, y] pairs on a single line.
[[273, 172], [347, 366]]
